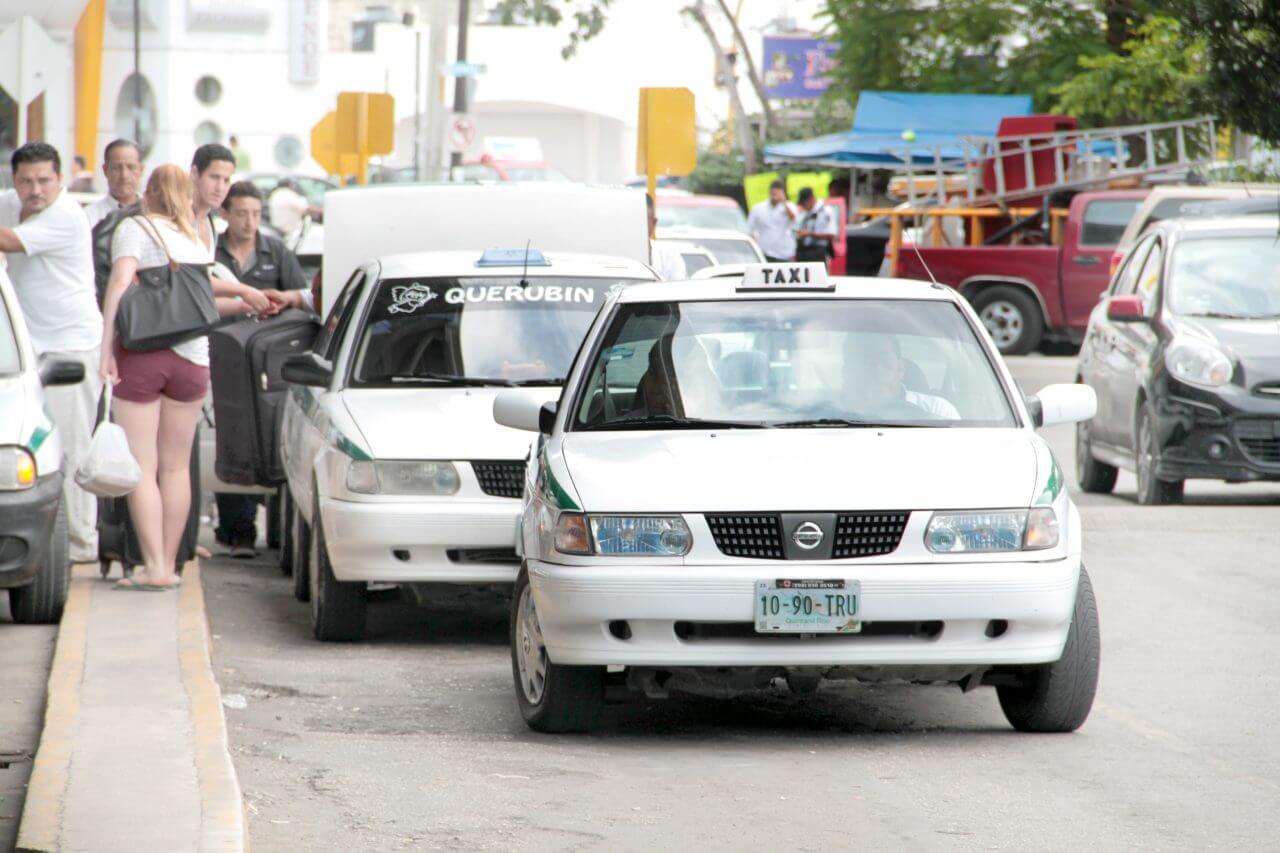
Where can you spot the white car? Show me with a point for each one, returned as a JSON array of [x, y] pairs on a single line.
[[34, 566], [396, 470], [780, 475], [725, 246]]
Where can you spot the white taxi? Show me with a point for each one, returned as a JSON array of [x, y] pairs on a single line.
[[396, 471], [783, 475]]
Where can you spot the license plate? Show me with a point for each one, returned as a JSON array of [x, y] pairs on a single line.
[[807, 607]]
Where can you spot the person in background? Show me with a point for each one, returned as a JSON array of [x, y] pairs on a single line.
[[122, 164], [771, 223], [665, 260], [159, 394], [241, 156], [81, 177], [259, 260], [46, 242], [815, 239]]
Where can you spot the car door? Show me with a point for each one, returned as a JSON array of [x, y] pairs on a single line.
[[1135, 344], [1100, 366]]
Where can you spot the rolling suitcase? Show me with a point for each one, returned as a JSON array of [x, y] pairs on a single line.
[[245, 357], [117, 540]]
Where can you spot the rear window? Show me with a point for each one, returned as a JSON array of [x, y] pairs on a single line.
[[1172, 208], [1105, 221], [728, 251]]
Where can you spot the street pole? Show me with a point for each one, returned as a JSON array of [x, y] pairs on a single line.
[[417, 105], [137, 74], [437, 47], [461, 82]]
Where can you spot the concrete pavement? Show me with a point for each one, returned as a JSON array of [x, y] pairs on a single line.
[[25, 654], [133, 754]]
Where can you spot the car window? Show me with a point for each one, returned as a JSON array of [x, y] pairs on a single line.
[[10, 363], [478, 172], [466, 329], [1148, 278], [897, 362], [694, 261], [1105, 220], [326, 342], [701, 216], [1172, 208], [1225, 277], [1127, 278], [727, 251]]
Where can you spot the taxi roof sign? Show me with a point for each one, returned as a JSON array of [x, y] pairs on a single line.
[[513, 258], [786, 275]]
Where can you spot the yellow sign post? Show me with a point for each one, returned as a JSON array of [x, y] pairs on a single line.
[[667, 142], [365, 125], [324, 143]]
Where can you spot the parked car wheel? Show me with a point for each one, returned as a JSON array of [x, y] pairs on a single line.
[[301, 567], [284, 512], [1011, 317], [1057, 697], [1152, 491], [273, 520], [1094, 477], [337, 607], [552, 698], [42, 600]]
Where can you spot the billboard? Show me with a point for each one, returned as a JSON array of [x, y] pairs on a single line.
[[797, 66]]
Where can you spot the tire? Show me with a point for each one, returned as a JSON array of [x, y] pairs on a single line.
[[42, 600], [284, 505], [273, 520], [569, 698], [1057, 697], [1095, 477], [337, 608], [1152, 491], [1012, 318], [301, 567]]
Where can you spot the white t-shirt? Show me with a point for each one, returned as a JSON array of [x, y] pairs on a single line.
[[774, 229], [54, 276], [668, 262], [134, 240], [820, 220], [98, 211]]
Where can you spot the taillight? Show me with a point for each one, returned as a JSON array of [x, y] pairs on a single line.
[[1116, 257]]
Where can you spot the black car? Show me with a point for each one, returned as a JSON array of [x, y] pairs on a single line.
[[1184, 354]]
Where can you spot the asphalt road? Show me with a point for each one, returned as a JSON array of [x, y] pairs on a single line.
[[412, 740], [26, 651]]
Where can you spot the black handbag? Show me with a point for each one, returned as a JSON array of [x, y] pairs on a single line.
[[166, 305]]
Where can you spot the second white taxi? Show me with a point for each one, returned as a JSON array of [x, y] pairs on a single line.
[[776, 475]]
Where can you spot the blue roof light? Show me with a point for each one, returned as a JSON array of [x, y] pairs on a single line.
[[512, 258]]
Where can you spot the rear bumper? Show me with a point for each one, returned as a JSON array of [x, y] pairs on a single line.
[[458, 541], [661, 605], [26, 519]]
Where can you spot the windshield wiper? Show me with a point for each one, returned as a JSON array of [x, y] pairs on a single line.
[[1223, 315], [844, 422], [673, 422], [447, 379], [545, 380]]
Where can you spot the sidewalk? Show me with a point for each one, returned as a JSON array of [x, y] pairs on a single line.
[[133, 756]]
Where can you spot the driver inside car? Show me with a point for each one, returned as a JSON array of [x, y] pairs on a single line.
[[874, 383], [679, 381]]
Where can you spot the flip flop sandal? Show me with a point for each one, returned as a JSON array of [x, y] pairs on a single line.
[[129, 584]]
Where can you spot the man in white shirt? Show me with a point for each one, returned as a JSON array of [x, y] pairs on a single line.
[[771, 222], [122, 164], [875, 375], [815, 240], [665, 260], [46, 242]]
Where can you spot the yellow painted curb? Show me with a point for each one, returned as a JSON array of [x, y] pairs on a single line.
[[41, 825], [223, 825]]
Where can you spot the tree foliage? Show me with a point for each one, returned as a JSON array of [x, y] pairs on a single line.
[[1242, 61], [588, 17], [1159, 77]]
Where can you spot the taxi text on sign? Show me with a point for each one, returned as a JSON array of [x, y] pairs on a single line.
[[366, 123], [667, 143]]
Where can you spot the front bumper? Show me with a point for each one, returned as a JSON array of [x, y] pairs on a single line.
[[1216, 436], [459, 541], [663, 605], [26, 519]]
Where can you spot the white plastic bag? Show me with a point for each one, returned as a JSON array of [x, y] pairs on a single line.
[[109, 469]]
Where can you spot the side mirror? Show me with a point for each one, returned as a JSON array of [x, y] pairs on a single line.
[[517, 410], [60, 371], [307, 369], [1126, 309], [1064, 404]]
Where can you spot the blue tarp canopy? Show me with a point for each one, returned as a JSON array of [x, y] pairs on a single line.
[[876, 140]]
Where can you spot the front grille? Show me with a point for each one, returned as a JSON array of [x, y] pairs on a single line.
[[757, 536], [502, 479], [1260, 439], [868, 534]]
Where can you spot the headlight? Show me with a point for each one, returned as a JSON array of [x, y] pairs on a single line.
[[1198, 363], [402, 478], [992, 531], [17, 469], [622, 535]]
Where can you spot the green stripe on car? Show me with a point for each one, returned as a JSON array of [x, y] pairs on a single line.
[[38, 436], [1053, 488]]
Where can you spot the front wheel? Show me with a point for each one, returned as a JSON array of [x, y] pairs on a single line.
[[1094, 477], [301, 568], [42, 600], [337, 607], [1011, 317], [552, 698], [1152, 491], [1057, 697]]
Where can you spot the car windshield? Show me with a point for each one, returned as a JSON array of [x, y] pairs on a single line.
[[1225, 277], [727, 250], [535, 173], [475, 331], [701, 216], [791, 363], [9, 361]]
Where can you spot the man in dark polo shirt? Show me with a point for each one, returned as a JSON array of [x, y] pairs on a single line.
[[263, 262]]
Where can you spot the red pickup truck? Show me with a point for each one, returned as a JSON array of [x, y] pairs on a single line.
[[1029, 294]]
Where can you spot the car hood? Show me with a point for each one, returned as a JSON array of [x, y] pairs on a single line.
[[805, 470], [437, 423], [1253, 343]]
